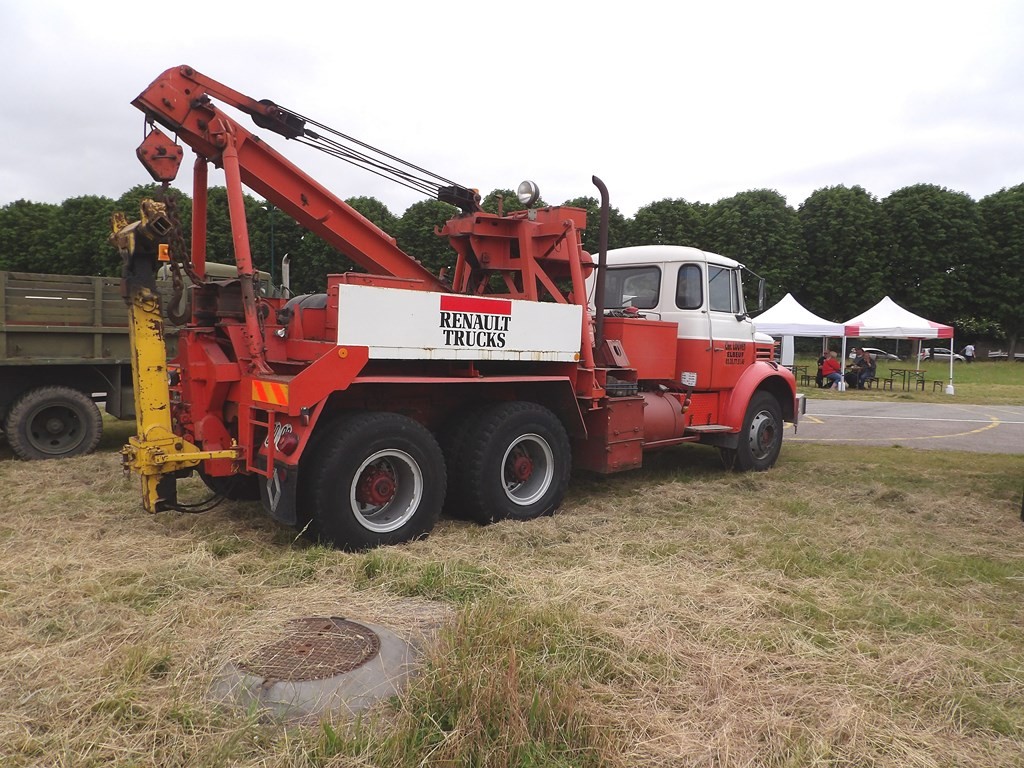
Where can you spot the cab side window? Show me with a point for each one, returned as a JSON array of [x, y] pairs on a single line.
[[637, 287], [690, 287], [723, 290]]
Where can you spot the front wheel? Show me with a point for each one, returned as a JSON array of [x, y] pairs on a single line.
[[380, 480], [53, 423], [760, 439], [517, 464]]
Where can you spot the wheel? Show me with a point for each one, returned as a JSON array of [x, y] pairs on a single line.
[[516, 464], [53, 423], [760, 440], [380, 479]]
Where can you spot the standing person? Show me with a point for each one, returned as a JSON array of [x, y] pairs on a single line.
[[969, 353], [831, 371]]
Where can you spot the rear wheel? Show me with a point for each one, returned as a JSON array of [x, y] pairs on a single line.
[[53, 423], [760, 440], [380, 480], [517, 463]]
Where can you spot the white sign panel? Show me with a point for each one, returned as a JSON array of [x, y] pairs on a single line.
[[399, 324]]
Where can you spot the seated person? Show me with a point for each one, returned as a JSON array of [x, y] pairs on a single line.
[[868, 368], [831, 371], [852, 375], [819, 376]]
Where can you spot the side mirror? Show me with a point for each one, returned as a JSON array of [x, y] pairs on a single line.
[[760, 294]]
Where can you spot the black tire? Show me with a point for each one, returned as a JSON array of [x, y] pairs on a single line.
[[453, 438], [53, 423], [516, 464], [379, 480], [760, 440]]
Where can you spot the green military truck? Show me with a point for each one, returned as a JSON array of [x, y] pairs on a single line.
[[63, 349]]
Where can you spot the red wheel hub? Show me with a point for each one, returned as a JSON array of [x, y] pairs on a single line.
[[377, 487], [522, 467]]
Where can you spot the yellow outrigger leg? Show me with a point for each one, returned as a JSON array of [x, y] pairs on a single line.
[[155, 453]]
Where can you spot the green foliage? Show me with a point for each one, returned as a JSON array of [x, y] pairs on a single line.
[[758, 229], [618, 226], [415, 234], [935, 251], [935, 246], [509, 202], [997, 283], [375, 211], [846, 270], [666, 222], [24, 236]]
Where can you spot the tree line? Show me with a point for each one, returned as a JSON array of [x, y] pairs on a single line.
[[937, 252]]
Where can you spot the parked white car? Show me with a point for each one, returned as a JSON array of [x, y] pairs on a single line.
[[937, 353], [878, 354]]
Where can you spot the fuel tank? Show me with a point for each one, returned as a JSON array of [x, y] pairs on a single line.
[[663, 416]]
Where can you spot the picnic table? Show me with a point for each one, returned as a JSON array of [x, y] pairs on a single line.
[[909, 377]]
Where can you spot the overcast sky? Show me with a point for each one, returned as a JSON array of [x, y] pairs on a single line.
[[669, 99]]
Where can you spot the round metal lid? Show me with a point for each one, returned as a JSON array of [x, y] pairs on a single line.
[[315, 648]]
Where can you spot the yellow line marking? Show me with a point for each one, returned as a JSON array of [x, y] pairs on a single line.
[[994, 423]]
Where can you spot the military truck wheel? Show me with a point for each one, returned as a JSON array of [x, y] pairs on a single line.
[[517, 463], [53, 423], [760, 440], [380, 480]]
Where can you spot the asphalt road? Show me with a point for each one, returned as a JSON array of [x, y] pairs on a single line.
[[937, 426]]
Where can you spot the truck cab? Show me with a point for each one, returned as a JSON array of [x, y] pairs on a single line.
[[702, 294]]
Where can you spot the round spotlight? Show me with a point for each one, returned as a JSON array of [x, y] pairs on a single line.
[[528, 193]]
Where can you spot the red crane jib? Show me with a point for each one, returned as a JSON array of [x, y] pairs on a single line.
[[180, 100]]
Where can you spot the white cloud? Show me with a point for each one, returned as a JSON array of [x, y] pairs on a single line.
[[699, 101]]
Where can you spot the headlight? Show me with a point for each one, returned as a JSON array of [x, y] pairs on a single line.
[[528, 193]]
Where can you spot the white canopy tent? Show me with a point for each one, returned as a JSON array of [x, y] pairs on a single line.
[[790, 318], [888, 320]]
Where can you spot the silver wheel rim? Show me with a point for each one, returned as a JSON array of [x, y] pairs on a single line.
[[527, 490], [762, 435], [382, 515]]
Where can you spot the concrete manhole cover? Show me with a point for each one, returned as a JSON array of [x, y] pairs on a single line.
[[320, 664], [314, 648]]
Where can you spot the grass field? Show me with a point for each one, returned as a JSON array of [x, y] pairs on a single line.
[[983, 383], [678, 615]]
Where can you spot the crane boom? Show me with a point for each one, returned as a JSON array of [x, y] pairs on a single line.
[[180, 99]]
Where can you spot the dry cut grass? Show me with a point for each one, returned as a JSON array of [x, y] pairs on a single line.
[[854, 607]]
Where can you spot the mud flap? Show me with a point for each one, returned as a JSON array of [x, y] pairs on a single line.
[[279, 493]]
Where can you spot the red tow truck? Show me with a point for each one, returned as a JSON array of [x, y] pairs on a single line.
[[361, 412]]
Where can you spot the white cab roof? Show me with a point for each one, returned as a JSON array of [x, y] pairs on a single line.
[[650, 254]]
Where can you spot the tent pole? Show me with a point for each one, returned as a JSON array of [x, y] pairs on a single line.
[[952, 346], [842, 368]]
